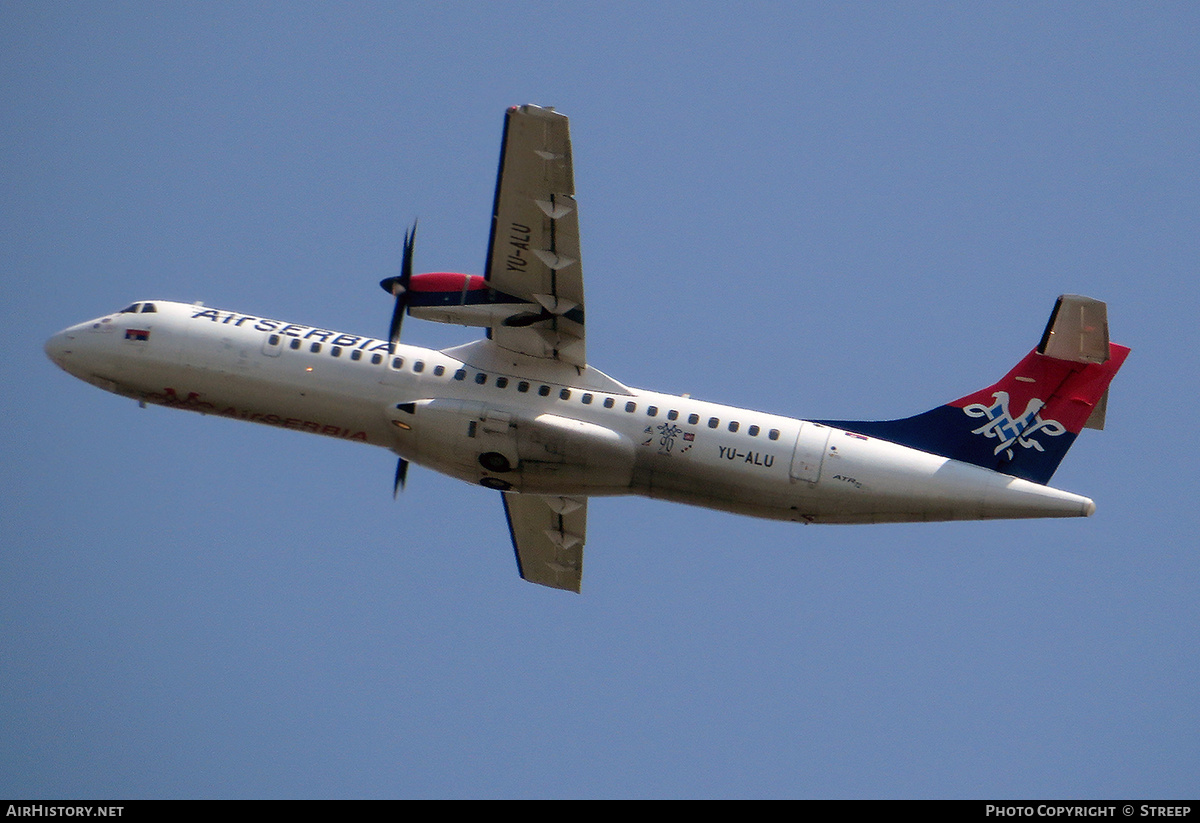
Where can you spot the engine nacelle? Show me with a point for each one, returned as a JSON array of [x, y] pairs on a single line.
[[461, 299]]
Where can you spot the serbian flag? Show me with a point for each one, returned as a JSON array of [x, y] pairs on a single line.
[[137, 334]]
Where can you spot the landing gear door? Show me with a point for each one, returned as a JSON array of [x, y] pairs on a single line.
[[809, 453]]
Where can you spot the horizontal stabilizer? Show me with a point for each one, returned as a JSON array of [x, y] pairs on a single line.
[[1096, 419], [1077, 330]]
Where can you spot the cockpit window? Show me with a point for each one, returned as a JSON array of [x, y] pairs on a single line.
[[148, 307], [130, 309]]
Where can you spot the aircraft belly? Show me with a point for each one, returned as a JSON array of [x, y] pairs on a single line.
[[559, 453], [514, 450]]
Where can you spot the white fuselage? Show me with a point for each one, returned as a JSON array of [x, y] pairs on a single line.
[[512, 422]]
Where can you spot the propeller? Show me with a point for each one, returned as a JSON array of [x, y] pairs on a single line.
[[398, 286], [401, 475]]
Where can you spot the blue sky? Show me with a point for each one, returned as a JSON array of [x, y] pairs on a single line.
[[823, 210]]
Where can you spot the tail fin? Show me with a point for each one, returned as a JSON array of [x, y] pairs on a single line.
[[1024, 424]]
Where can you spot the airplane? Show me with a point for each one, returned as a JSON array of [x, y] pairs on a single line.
[[524, 413]]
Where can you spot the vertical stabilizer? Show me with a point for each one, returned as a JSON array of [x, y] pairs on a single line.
[[1024, 424]]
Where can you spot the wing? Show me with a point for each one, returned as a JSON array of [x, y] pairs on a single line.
[[548, 535], [533, 253]]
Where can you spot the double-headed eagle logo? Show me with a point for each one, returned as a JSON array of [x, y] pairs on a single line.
[[1009, 430]]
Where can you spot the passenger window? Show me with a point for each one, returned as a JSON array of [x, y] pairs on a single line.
[[419, 366], [774, 434], [544, 391], [652, 411], [693, 419], [586, 399], [565, 394], [481, 378], [397, 363], [273, 340], [356, 355], [713, 422], [295, 344], [631, 406], [461, 374], [523, 386], [672, 415], [733, 425], [377, 358], [315, 348], [439, 370], [753, 431], [501, 382], [609, 402], [336, 351]]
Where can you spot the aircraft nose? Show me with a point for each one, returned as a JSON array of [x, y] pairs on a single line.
[[58, 347]]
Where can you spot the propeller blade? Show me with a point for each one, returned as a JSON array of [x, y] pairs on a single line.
[[397, 319], [398, 286], [401, 476]]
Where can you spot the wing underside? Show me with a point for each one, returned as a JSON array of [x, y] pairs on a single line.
[[548, 535], [533, 253]]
